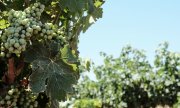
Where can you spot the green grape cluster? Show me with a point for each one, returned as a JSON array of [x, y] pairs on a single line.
[[61, 36], [35, 11], [18, 98], [67, 34], [25, 26], [48, 32]]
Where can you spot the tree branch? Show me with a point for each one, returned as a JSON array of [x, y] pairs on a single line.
[[11, 70]]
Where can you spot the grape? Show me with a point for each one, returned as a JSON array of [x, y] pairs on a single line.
[[8, 102], [2, 54], [10, 92], [16, 34], [2, 102], [49, 37], [3, 38], [34, 22], [41, 34], [27, 104], [43, 30], [22, 36], [16, 45], [14, 104], [38, 14], [7, 97], [11, 49], [24, 22], [42, 6], [31, 106], [35, 104], [17, 31], [23, 47], [22, 41], [12, 41], [28, 34], [45, 36], [2, 48], [48, 32], [16, 51], [54, 34], [29, 30], [23, 31]]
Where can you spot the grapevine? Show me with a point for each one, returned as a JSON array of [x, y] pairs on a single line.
[[39, 54]]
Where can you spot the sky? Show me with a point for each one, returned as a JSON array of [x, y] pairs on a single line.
[[141, 23]]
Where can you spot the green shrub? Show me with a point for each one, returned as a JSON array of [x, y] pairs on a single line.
[[88, 103]]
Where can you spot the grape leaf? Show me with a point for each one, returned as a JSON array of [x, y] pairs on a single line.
[[3, 24], [49, 72], [59, 76], [87, 23], [54, 104], [14, 4], [67, 54], [90, 6], [98, 3], [73, 5], [37, 49], [97, 13]]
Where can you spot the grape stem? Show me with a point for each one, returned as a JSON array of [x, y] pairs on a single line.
[[57, 17], [26, 3]]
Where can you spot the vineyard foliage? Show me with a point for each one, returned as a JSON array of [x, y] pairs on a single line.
[[39, 49], [130, 80]]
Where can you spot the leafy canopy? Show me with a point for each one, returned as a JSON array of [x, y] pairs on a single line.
[[130, 80], [40, 39]]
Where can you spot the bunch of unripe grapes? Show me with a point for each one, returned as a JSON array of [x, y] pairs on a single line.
[[18, 98], [49, 32], [67, 34], [26, 26]]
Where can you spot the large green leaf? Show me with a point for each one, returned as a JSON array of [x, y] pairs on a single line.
[[38, 50], [73, 5], [86, 23], [97, 13], [3, 24], [14, 4], [49, 72], [59, 76], [68, 54]]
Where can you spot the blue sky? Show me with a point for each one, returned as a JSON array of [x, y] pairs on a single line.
[[141, 23]]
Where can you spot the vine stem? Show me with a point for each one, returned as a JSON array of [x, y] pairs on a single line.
[[57, 17], [11, 70], [26, 3]]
